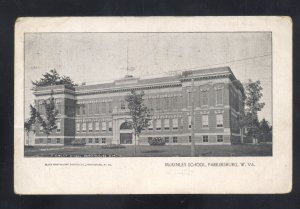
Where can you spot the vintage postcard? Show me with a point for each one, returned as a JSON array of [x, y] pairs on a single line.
[[153, 105]]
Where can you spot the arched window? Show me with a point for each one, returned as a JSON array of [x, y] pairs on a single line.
[[125, 125]]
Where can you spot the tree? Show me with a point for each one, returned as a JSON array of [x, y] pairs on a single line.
[[252, 107], [29, 123], [52, 78], [265, 131], [254, 94], [139, 112], [47, 121], [253, 128]]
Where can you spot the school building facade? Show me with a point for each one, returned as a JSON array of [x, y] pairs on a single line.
[[98, 114]]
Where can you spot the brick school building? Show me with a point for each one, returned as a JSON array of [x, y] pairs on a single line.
[[98, 114]]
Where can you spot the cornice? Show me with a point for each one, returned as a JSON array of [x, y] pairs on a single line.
[[127, 88], [207, 77], [53, 91], [78, 92]]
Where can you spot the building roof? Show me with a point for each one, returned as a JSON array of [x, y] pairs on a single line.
[[129, 81]]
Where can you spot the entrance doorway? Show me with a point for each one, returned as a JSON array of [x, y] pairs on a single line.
[[125, 133], [125, 138]]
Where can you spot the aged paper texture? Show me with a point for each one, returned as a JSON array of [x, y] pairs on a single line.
[[153, 105]]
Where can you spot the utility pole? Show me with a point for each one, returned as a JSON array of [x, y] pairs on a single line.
[[193, 121]]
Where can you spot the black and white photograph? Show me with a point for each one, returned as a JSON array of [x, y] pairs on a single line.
[[148, 94]]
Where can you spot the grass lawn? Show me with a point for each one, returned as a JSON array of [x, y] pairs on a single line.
[[155, 151]]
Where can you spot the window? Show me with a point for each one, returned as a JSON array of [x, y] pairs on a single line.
[[181, 123], [170, 105], [77, 127], [234, 100], [90, 140], [41, 106], [158, 103], [167, 139], [219, 96], [150, 127], [189, 99], [109, 107], [94, 108], [41, 128], [49, 141], [219, 138], [97, 126], [122, 105], [103, 107], [90, 108], [97, 140], [150, 103], [103, 126], [103, 140], [162, 104], [90, 127], [58, 106], [204, 98], [219, 120], [57, 141], [97, 108], [175, 102], [77, 109], [58, 127], [166, 103], [190, 139], [83, 140], [190, 121], [175, 123], [158, 124], [83, 109], [167, 124], [83, 127], [204, 121], [175, 139], [43, 109], [205, 138], [41, 141], [109, 126]]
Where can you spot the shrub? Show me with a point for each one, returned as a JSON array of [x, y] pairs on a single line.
[[156, 141], [78, 142], [112, 146]]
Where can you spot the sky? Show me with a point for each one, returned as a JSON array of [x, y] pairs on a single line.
[[103, 57]]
